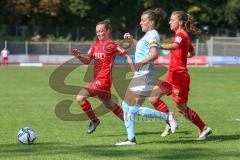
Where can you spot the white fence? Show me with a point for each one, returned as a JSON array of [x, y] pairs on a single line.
[[218, 50], [63, 48], [43, 48], [223, 50]]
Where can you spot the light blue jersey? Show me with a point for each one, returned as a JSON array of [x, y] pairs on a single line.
[[142, 84], [150, 39]]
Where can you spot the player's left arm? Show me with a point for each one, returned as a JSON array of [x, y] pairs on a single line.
[[191, 52], [154, 42], [153, 55]]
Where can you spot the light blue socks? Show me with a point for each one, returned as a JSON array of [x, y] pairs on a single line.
[[129, 115], [152, 113], [131, 111]]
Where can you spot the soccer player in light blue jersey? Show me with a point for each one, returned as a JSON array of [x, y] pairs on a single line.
[[141, 85]]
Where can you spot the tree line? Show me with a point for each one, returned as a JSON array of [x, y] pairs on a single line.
[[218, 16]]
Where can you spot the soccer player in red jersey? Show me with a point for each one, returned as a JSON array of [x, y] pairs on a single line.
[[178, 80], [103, 63]]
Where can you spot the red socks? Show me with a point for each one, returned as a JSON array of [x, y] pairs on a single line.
[[86, 106], [189, 114], [160, 105], [194, 118], [118, 111]]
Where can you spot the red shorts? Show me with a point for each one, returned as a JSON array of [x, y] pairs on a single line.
[[102, 91], [5, 58], [177, 85]]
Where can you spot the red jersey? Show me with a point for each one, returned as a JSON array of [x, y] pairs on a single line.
[[103, 61], [178, 59]]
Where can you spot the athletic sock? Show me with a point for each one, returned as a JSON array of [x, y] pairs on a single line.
[[129, 120], [160, 105], [86, 106], [152, 113], [194, 118], [118, 111]]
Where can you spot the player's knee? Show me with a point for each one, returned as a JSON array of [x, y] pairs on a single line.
[[181, 107], [80, 99], [109, 104], [180, 111], [155, 93], [153, 98]]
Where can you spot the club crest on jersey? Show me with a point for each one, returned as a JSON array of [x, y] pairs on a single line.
[[176, 92], [100, 56], [97, 84], [178, 39]]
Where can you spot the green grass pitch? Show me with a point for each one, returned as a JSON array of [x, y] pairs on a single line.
[[26, 99]]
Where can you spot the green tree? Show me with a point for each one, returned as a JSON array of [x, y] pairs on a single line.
[[124, 14], [30, 11], [79, 7]]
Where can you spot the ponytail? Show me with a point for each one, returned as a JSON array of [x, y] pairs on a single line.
[[155, 15], [187, 22]]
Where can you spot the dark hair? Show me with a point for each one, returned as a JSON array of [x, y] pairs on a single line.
[[106, 23], [187, 21], [155, 15]]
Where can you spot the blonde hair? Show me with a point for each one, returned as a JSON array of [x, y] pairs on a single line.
[[187, 22], [155, 15]]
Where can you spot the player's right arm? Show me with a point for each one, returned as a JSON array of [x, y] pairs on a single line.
[[130, 38], [85, 59], [124, 52], [176, 44], [170, 46], [130, 62]]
